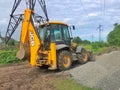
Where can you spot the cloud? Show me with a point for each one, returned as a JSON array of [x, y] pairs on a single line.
[[3, 21], [67, 19], [92, 14], [86, 20]]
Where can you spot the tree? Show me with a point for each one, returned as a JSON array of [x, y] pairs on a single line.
[[115, 24], [77, 40], [114, 36], [11, 42], [86, 42]]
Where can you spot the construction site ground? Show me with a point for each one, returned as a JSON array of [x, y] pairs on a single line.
[[104, 74]]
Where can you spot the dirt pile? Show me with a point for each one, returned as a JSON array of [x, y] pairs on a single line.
[[104, 73], [109, 49]]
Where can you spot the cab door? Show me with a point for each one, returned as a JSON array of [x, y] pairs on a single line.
[[66, 35]]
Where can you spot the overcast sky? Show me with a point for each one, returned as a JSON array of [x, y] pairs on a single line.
[[86, 15]]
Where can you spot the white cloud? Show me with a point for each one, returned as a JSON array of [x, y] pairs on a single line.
[[92, 14], [3, 21], [67, 19]]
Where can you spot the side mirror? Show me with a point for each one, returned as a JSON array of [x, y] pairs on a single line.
[[73, 27], [70, 30], [71, 38]]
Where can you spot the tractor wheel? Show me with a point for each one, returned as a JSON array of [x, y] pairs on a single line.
[[83, 56], [91, 56], [64, 60]]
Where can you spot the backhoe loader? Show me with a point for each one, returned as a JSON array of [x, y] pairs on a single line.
[[44, 42]]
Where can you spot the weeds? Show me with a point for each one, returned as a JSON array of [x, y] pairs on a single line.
[[8, 57]]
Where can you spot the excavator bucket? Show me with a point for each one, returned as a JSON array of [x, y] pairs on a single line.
[[23, 53]]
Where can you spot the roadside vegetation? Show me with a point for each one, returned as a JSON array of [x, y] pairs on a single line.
[[69, 84], [112, 43], [99, 48], [8, 52], [8, 57]]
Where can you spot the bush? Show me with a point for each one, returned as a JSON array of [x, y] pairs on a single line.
[[8, 57], [114, 36], [77, 40]]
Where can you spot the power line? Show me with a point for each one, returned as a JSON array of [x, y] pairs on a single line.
[[83, 7], [103, 11], [102, 15], [104, 7]]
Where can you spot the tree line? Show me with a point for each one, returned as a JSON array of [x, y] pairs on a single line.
[[113, 38]]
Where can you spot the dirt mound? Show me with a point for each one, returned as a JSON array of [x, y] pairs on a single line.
[[109, 49], [112, 48], [103, 74]]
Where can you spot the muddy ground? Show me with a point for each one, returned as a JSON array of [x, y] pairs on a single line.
[[24, 77]]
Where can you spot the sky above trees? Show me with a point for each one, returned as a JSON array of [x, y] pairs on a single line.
[[86, 15]]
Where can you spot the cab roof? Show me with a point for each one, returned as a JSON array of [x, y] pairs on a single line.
[[55, 22]]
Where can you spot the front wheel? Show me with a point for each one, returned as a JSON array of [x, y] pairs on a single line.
[[64, 60], [83, 56]]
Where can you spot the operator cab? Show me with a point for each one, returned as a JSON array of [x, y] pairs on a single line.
[[57, 32]]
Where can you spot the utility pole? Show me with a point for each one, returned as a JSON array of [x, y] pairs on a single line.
[[92, 37], [0, 39], [100, 30], [0, 34]]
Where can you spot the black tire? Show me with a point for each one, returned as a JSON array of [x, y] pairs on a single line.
[[91, 56], [64, 60], [83, 57]]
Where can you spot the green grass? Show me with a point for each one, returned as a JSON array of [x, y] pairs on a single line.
[[7, 57], [69, 84], [96, 50]]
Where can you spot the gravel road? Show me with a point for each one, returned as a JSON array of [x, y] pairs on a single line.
[[103, 74]]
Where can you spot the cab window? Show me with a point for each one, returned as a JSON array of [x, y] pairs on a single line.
[[57, 32], [66, 33]]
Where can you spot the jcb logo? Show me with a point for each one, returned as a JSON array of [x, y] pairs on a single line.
[[32, 39]]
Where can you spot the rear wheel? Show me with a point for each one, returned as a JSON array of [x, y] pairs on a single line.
[[64, 60], [83, 56]]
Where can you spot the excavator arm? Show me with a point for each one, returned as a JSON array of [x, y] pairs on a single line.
[[29, 38], [15, 19]]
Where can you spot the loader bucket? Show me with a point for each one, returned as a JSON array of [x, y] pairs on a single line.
[[23, 53]]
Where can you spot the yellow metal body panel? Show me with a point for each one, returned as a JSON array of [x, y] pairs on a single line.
[[34, 45], [57, 22], [53, 60], [51, 57], [29, 35], [54, 22]]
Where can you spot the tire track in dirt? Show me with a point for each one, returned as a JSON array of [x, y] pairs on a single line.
[[24, 77]]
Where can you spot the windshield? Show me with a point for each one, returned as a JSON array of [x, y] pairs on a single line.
[[58, 33]]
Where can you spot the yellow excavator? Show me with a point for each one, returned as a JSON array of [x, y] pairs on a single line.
[[44, 42]]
